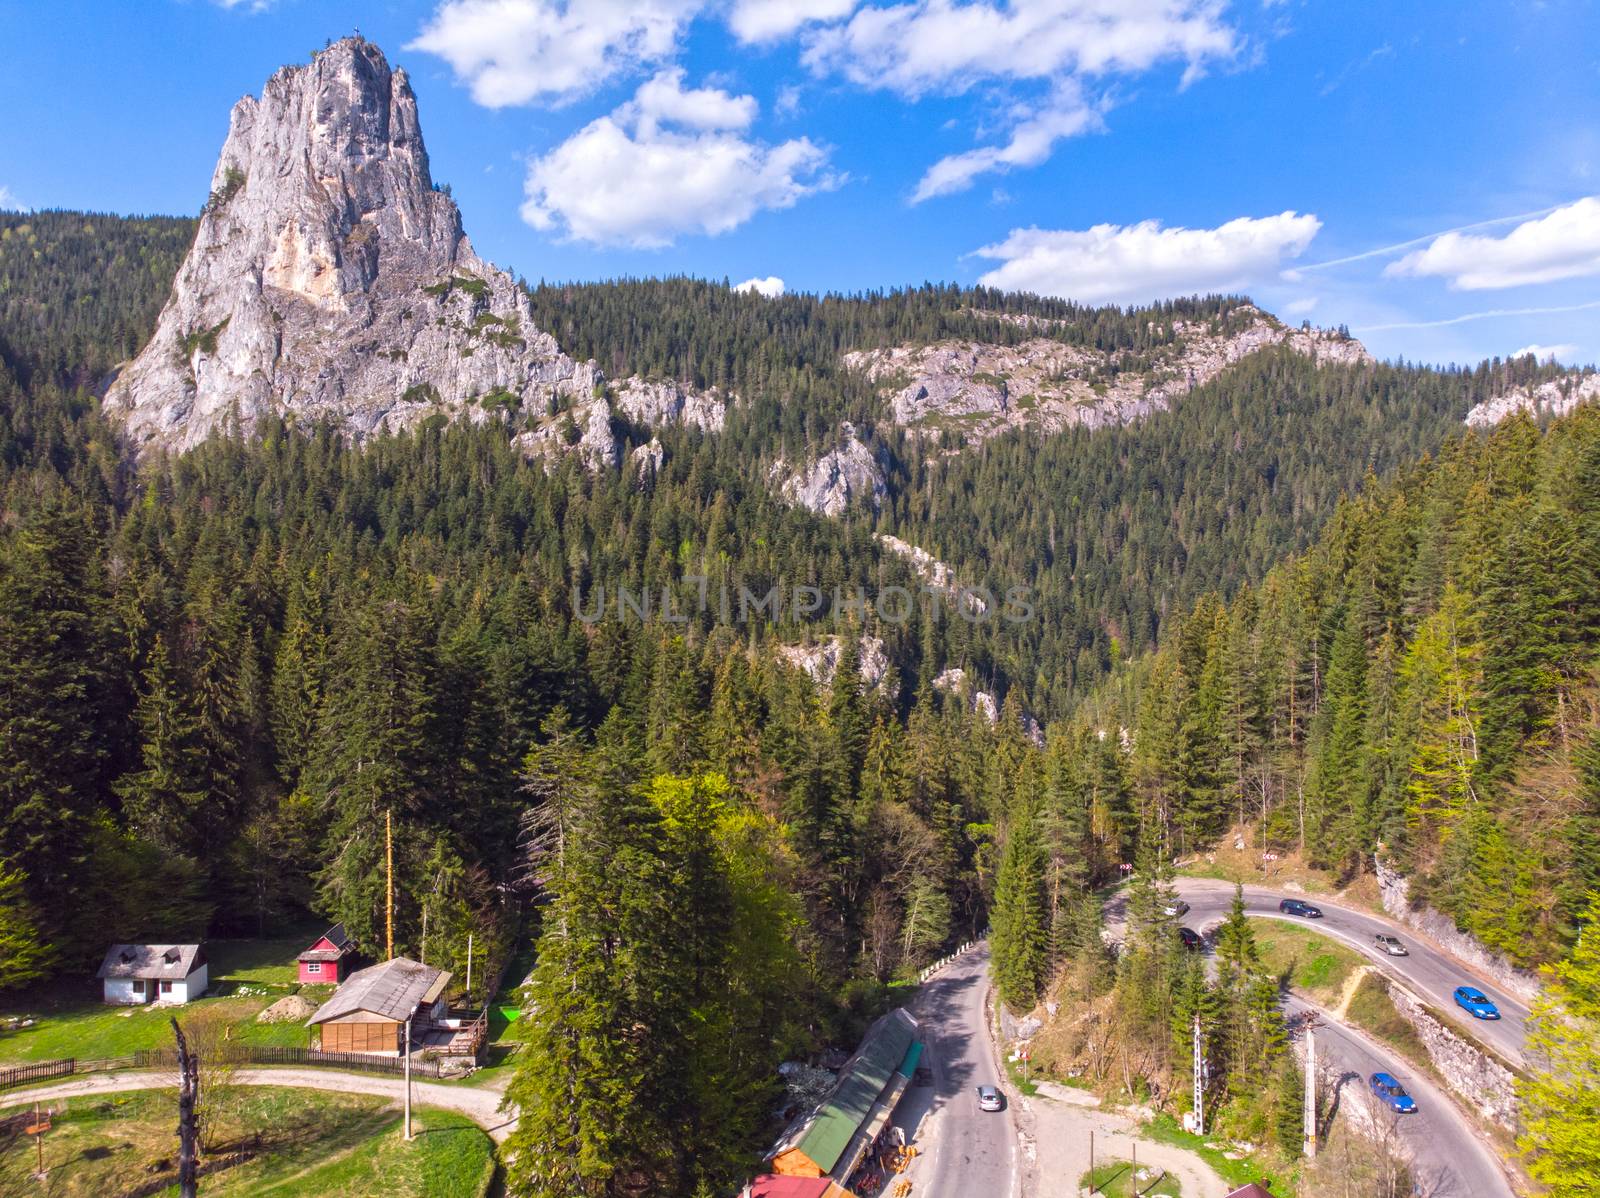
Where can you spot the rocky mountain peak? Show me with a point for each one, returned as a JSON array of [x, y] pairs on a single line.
[[329, 279]]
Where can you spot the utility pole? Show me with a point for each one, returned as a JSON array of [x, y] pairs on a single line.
[[1199, 1081], [408, 1075], [388, 905], [1311, 1089]]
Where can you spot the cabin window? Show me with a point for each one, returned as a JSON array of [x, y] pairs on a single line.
[[313, 966], [138, 986], [166, 987]]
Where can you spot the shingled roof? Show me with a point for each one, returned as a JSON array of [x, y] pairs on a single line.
[[163, 962], [335, 936], [393, 990]]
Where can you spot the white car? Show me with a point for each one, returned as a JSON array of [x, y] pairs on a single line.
[[989, 1099], [1386, 943]]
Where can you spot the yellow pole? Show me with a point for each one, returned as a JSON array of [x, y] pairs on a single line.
[[388, 838]]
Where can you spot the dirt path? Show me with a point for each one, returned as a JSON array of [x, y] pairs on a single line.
[[482, 1106], [1056, 1137]]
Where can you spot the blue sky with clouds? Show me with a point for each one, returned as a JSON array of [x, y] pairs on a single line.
[[1316, 155]]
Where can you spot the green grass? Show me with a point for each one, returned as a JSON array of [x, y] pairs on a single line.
[[90, 1030], [258, 962], [1164, 1129], [1025, 1082], [1311, 964], [1115, 1179], [299, 1142]]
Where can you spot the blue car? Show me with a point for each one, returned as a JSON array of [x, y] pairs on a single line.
[[1392, 1094], [1476, 1003], [1296, 907]]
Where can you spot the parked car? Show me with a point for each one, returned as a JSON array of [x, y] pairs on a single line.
[[989, 1099], [1392, 1094], [1191, 938], [1476, 1003], [1176, 907], [1296, 907], [1391, 945]]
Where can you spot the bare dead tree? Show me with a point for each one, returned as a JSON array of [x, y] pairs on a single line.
[[188, 1125]]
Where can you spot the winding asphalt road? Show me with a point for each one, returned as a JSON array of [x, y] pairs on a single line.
[[967, 1153], [1449, 1159], [1428, 970]]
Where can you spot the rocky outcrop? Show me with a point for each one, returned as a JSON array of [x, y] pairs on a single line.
[[981, 389], [844, 476], [820, 661], [666, 401], [934, 572], [1394, 888], [330, 280], [1554, 398]]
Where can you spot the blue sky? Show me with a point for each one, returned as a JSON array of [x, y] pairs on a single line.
[[1111, 150]]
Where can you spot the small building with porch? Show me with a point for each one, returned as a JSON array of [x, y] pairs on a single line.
[[134, 974], [328, 960], [369, 1011]]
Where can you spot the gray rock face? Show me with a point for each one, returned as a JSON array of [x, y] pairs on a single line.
[[1554, 398], [328, 279], [849, 473], [981, 389], [667, 401], [820, 661]]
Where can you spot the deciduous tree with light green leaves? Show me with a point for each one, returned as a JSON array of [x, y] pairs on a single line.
[[1561, 1095]]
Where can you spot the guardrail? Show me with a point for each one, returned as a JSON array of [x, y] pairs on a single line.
[[930, 970]]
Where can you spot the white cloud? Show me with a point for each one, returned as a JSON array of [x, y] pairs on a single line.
[[771, 286], [1301, 307], [945, 46], [768, 20], [669, 162], [9, 201], [1565, 244], [249, 5], [1545, 352], [1033, 137], [1128, 264], [515, 51]]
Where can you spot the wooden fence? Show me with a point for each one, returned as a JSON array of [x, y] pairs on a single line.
[[21, 1075], [241, 1054]]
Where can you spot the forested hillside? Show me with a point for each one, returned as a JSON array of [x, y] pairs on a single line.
[[225, 670]]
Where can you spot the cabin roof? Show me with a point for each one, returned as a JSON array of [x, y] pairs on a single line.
[[393, 990], [166, 962], [336, 936]]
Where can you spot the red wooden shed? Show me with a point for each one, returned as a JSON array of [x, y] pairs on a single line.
[[326, 961]]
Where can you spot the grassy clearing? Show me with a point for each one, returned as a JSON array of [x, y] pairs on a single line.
[[1116, 1179], [294, 1142], [87, 1029], [246, 977], [1164, 1129], [1309, 963]]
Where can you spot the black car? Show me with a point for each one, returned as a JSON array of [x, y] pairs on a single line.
[[1191, 938], [1296, 907]]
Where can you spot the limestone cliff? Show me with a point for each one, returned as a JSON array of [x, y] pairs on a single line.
[[981, 389], [329, 279]]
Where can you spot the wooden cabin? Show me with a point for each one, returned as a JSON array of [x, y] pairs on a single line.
[[368, 1012]]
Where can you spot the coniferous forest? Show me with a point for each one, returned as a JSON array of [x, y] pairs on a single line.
[[1305, 603]]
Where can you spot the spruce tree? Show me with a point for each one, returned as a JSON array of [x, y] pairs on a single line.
[[1021, 931]]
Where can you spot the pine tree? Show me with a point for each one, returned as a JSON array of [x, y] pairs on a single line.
[[1021, 930], [24, 954]]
